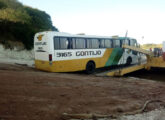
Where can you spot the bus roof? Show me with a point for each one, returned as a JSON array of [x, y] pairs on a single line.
[[63, 34]]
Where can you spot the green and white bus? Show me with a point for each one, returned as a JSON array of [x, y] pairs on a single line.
[[63, 52]]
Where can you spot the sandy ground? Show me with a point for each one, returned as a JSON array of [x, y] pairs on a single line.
[[29, 94]]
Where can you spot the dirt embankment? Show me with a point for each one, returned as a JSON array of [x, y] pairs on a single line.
[[28, 94], [16, 56]]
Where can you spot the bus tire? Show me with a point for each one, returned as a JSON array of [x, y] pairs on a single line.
[[90, 67], [129, 61]]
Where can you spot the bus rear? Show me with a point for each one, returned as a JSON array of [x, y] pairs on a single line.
[[43, 51]]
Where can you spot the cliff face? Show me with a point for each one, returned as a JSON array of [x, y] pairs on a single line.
[[16, 56], [20, 23]]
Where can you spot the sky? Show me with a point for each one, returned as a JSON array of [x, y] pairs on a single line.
[[143, 19]]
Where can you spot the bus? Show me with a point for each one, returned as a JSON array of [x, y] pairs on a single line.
[[64, 52]]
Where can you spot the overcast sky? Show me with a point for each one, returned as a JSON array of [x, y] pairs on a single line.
[[144, 19]]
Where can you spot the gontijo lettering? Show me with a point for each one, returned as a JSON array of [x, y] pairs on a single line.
[[88, 53], [78, 53], [40, 43]]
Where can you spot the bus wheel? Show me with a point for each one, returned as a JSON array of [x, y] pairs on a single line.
[[90, 67], [129, 61]]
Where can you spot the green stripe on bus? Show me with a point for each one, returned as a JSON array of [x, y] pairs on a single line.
[[118, 56], [114, 57]]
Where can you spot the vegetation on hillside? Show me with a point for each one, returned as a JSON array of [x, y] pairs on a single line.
[[20, 23]]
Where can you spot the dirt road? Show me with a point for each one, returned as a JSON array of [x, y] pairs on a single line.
[[28, 94]]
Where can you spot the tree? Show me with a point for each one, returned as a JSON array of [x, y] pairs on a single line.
[[20, 23], [39, 19], [2, 5]]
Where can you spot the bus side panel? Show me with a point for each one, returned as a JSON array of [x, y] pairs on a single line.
[[80, 64], [114, 57], [44, 65]]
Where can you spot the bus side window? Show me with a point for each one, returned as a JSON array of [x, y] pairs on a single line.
[[64, 43], [89, 44], [126, 42], [136, 44], [111, 44], [108, 43], [129, 42], [56, 43], [117, 43], [95, 43], [73, 43], [70, 43], [121, 43], [133, 42], [80, 43], [102, 41]]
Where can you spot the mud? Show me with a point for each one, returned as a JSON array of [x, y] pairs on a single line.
[[156, 74], [29, 94]]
